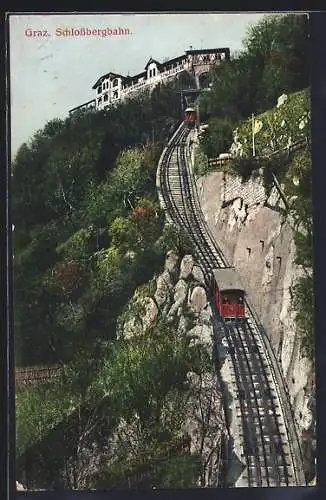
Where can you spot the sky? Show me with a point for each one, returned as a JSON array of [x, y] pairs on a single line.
[[52, 73]]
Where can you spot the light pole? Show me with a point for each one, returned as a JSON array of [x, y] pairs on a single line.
[[253, 134]]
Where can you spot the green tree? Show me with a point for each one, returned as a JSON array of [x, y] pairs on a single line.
[[274, 60], [279, 46], [218, 137], [123, 233]]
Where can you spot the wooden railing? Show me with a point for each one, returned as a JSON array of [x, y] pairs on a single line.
[[35, 375]]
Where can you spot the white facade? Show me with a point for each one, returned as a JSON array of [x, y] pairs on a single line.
[[113, 88], [152, 70], [108, 91]]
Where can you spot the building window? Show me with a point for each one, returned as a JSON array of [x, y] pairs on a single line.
[[99, 101], [99, 89], [115, 82], [106, 97], [115, 95]]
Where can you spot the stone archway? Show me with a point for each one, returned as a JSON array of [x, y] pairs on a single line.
[[203, 79], [201, 75]]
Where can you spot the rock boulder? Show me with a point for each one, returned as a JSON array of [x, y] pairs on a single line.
[[186, 266], [198, 299]]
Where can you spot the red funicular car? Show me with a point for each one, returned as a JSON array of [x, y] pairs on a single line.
[[228, 293], [190, 117]]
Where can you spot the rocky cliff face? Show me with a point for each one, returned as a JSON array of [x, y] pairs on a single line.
[[257, 239], [179, 294]]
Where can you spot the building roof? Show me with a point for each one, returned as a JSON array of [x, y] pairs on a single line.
[[82, 105], [227, 279], [174, 59], [103, 77], [225, 50], [135, 77], [150, 61]]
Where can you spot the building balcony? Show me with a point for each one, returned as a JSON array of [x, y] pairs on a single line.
[[83, 107], [154, 80], [135, 87]]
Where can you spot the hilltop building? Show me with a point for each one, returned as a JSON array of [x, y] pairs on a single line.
[[113, 87]]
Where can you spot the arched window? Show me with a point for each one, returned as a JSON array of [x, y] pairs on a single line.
[[99, 101], [115, 82], [106, 97], [115, 95], [153, 71]]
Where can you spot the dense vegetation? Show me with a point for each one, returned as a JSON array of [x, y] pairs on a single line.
[[281, 127], [273, 62], [88, 234], [120, 414], [81, 199]]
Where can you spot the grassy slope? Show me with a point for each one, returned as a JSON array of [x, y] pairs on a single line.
[[289, 121]]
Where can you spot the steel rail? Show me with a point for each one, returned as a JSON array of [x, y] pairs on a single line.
[[207, 265], [175, 215], [266, 419], [183, 209], [279, 380]]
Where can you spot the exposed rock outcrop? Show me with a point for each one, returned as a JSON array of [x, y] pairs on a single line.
[[186, 266], [260, 245], [171, 263], [198, 299], [181, 294], [164, 287]]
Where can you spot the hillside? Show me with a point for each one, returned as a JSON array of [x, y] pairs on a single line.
[[108, 292], [283, 127], [265, 230], [276, 128], [91, 242]]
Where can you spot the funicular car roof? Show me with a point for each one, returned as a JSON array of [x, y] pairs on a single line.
[[227, 279]]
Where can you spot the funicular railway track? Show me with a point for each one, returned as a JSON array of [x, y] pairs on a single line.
[[270, 457]]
